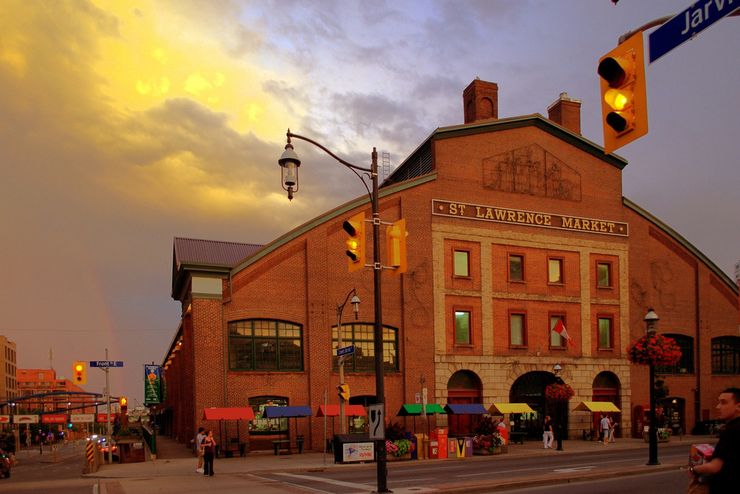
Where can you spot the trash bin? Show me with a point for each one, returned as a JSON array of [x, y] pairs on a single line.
[[433, 449], [299, 443], [468, 447], [452, 448], [415, 450], [421, 447], [460, 447], [362, 450]]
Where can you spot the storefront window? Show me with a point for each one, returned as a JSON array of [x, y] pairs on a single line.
[[262, 425], [267, 345]]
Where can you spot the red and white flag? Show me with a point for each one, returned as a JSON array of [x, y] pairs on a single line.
[[559, 328]]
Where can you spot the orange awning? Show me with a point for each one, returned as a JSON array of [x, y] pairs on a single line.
[[349, 411], [234, 413]]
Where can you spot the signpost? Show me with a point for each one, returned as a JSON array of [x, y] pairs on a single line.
[[104, 364], [687, 24], [347, 350]]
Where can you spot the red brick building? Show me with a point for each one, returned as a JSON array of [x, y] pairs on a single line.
[[514, 226], [61, 393]]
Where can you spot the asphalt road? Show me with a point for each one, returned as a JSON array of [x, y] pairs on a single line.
[[486, 470], [58, 473], [667, 482]]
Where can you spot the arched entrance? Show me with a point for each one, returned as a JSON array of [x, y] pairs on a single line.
[[606, 387], [463, 387], [530, 389]]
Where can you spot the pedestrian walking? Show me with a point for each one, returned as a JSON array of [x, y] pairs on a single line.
[[209, 452], [723, 470], [604, 429], [198, 447], [547, 434], [612, 428]]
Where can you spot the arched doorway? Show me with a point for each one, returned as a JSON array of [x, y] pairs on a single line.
[[463, 387], [606, 387], [530, 389]]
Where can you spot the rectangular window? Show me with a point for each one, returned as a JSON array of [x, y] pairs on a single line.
[[263, 344], [603, 275], [555, 271], [462, 327], [726, 355], [461, 263], [362, 337], [516, 268], [605, 336], [517, 330], [686, 364], [556, 340]]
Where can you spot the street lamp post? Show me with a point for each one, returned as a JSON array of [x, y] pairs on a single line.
[[559, 408], [651, 321], [289, 164], [340, 308]]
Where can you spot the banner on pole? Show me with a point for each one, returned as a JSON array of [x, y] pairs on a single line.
[[152, 384]]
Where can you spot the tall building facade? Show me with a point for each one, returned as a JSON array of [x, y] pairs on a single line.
[[516, 227], [8, 374]]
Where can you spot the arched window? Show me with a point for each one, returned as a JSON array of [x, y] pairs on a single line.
[[265, 345], [726, 355], [686, 364], [362, 336]]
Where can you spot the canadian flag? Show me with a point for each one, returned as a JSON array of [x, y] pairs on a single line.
[[559, 328]]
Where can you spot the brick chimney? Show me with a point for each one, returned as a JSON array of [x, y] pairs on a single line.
[[480, 101], [566, 112]]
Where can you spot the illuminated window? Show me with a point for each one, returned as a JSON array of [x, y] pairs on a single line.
[[461, 263], [462, 327], [603, 275], [516, 268], [555, 271], [517, 330]]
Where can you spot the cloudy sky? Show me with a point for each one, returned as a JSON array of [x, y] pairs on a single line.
[[127, 123]]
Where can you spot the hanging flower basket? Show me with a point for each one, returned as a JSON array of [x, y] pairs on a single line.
[[559, 392], [654, 350]]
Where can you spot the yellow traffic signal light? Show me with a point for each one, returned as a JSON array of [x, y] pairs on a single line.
[[395, 238], [343, 390], [123, 401], [623, 94], [79, 373], [355, 228]]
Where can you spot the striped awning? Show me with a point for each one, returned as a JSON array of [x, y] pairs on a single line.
[[596, 406], [510, 408]]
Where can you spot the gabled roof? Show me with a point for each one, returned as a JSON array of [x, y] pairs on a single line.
[[206, 255]]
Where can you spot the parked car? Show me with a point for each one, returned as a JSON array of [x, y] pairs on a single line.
[[6, 462]]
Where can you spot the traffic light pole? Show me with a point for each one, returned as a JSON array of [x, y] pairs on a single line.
[[289, 158]]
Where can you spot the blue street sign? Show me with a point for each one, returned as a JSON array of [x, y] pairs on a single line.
[[347, 350], [687, 24], [106, 363]]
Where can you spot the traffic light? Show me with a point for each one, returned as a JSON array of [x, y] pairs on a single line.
[[395, 238], [79, 371], [123, 402], [343, 390], [355, 228], [623, 94]]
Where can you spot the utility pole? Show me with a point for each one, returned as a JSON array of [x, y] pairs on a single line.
[[107, 401]]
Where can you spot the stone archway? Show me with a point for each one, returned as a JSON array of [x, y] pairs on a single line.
[[530, 388], [464, 386]]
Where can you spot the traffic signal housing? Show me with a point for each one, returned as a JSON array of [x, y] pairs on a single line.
[[343, 391], [355, 228], [79, 373], [123, 402], [623, 94], [395, 238]]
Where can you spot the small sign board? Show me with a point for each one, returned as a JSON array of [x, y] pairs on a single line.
[[347, 350], [353, 452], [106, 363], [4, 419], [377, 421], [687, 24], [25, 419], [82, 418], [57, 418]]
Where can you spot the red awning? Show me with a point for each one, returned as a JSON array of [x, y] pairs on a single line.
[[241, 413], [349, 411]]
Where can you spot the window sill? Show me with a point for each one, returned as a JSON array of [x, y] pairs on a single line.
[[559, 348], [556, 283], [610, 288], [518, 282], [464, 345], [518, 347]]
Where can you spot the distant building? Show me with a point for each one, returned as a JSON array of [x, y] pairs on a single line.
[[8, 380], [516, 227], [42, 381]]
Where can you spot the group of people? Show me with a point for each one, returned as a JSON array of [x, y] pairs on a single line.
[[607, 425], [205, 446]]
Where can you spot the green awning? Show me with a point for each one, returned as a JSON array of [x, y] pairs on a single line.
[[415, 409]]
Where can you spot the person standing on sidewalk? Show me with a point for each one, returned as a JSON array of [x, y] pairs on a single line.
[[199, 449], [209, 452], [612, 427], [547, 435], [724, 467], [604, 428]]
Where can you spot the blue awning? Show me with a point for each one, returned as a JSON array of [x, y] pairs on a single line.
[[281, 412], [465, 409]]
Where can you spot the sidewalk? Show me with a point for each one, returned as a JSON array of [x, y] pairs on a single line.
[[178, 474]]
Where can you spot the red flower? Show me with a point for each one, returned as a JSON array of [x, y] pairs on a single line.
[[559, 392], [654, 350]]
